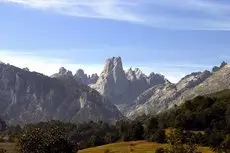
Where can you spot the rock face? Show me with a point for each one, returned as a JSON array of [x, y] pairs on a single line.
[[28, 97], [216, 68], [112, 82], [83, 78], [120, 87], [62, 72], [80, 76], [162, 97]]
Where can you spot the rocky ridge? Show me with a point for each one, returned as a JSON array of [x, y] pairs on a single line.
[[79, 76], [123, 87], [162, 97], [28, 97]]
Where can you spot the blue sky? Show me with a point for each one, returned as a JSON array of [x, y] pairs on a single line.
[[172, 37]]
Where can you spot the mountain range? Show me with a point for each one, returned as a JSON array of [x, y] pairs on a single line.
[[28, 97]]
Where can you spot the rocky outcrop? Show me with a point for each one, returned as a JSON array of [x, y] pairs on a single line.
[[112, 82], [28, 97], [122, 88], [162, 97], [93, 78], [80, 76], [83, 78], [216, 68], [62, 72]]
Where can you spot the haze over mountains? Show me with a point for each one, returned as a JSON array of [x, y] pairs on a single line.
[[28, 97]]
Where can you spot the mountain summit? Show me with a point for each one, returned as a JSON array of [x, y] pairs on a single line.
[[123, 87]]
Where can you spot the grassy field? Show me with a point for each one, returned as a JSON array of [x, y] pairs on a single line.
[[122, 147], [9, 147], [132, 147]]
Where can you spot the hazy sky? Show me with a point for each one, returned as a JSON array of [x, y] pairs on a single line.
[[172, 37]]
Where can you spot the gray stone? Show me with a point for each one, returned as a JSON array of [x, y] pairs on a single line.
[[29, 97]]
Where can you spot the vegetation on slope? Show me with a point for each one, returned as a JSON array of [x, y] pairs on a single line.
[[208, 114]]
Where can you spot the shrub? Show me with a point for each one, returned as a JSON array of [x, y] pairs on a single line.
[[52, 139], [160, 150], [159, 136]]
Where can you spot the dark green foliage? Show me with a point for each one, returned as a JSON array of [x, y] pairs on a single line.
[[137, 131], [129, 131], [227, 117], [159, 136], [152, 124], [180, 143], [3, 125], [52, 139], [209, 114], [225, 145], [200, 113], [96, 141], [160, 150]]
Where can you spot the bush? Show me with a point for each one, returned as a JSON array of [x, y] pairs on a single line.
[[160, 150], [178, 144], [159, 136], [52, 139]]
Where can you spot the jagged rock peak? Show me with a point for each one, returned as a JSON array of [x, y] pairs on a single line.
[[113, 64], [113, 70], [135, 74], [80, 73], [83, 78], [131, 74], [112, 82], [94, 77], [216, 68], [26, 69], [62, 72]]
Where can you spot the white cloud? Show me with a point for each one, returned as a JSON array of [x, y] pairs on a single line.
[[176, 14], [107, 9], [42, 64]]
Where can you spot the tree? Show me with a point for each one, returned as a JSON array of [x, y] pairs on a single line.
[[52, 139], [227, 117], [160, 150], [137, 131], [214, 139], [225, 146], [179, 145], [96, 141], [152, 124], [159, 136], [3, 125]]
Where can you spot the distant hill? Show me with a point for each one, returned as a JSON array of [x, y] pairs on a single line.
[[203, 112], [161, 97]]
